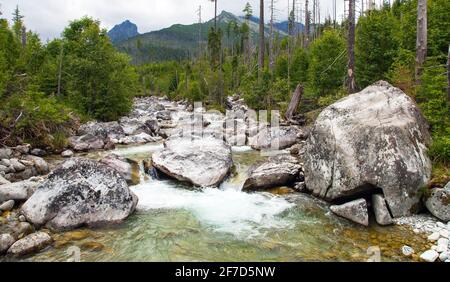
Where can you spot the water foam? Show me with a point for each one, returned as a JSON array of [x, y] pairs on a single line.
[[230, 211]]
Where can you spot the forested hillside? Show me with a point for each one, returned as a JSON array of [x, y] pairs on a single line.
[[45, 88]]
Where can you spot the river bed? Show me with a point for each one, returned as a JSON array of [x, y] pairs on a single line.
[[176, 222]]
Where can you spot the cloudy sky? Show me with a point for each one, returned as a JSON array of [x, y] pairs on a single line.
[[49, 17]]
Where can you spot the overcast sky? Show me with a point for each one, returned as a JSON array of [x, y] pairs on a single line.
[[49, 17]]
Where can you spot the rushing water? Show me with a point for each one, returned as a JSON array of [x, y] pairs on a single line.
[[175, 222]]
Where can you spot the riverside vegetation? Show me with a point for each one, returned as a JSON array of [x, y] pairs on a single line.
[[78, 92]]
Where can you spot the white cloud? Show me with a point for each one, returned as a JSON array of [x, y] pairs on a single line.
[[49, 17]]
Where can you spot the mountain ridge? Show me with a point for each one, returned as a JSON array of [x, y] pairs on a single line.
[[181, 41]]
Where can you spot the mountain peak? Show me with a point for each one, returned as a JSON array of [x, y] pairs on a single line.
[[123, 31]]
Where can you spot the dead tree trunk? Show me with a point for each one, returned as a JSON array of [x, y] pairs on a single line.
[[271, 43], [61, 55], [448, 77], [422, 40], [261, 36], [351, 82], [295, 101], [307, 20]]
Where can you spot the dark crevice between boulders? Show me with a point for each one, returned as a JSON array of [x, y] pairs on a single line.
[[365, 191]]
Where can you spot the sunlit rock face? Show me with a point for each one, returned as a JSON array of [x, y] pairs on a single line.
[[373, 139], [202, 162]]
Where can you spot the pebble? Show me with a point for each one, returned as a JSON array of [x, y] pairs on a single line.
[[441, 249], [443, 242], [417, 231], [444, 233], [434, 237], [429, 256], [407, 251], [22, 218], [441, 225], [443, 256]]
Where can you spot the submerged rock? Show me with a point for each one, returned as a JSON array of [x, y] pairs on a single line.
[[202, 162], [80, 192], [355, 211], [439, 203], [373, 139], [278, 171], [30, 244]]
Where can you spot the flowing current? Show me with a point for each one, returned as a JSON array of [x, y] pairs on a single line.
[[176, 222]]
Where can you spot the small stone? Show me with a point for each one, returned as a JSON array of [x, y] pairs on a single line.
[[434, 237], [443, 256], [407, 251], [443, 242], [7, 206], [38, 152], [67, 154], [444, 233], [441, 248], [417, 231], [22, 218], [31, 243], [18, 166], [429, 256], [6, 241]]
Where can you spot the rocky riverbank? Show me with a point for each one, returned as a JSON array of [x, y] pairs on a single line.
[[354, 163]]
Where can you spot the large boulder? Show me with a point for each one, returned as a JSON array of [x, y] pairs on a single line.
[[278, 171], [439, 203], [202, 162], [373, 139], [80, 192]]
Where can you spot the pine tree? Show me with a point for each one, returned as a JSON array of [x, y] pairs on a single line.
[[17, 22]]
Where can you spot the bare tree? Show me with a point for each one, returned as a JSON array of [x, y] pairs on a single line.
[[271, 39], [215, 14], [351, 82], [61, 55], [422, 40], [448, 77], [261, 36], [295, 101], [307, 21]]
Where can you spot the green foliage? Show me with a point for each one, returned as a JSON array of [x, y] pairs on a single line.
[[96, 82], [99, 81], [327, 67], [376, 46], [432, 98]]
